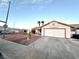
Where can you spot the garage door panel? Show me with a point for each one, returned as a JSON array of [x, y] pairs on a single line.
[[55, 32]]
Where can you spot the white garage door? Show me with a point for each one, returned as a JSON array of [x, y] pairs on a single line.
[[55, 32]]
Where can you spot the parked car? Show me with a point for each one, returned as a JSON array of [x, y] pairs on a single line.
[[76, 36]]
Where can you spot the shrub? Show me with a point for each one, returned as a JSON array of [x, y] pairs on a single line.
[[33, 31]]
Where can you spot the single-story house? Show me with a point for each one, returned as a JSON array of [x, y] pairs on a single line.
[[57, 29]]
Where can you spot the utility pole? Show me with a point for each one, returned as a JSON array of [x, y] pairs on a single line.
[[5, 25], [8, 11]]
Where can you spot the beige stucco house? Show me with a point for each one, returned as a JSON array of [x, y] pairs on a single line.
[[56, 29]]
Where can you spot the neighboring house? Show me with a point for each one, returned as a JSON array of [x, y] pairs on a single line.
[[16, 30], [11, 30], [76, 28], [37, 30]]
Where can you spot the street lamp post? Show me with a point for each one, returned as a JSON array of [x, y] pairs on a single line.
[[5, 25], [8, 11]]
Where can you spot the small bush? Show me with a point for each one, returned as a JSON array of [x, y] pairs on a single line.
[[33, 31]]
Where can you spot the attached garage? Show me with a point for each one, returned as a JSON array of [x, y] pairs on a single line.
[[56, 32], [56, 29]]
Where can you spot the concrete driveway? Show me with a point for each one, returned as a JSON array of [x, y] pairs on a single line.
[[57, 48], [43, 48]]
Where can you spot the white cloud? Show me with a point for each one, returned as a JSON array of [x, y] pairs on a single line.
[[24, 26], [4, 2], [42, 1], [36, 2]]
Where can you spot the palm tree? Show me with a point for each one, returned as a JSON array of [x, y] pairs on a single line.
[[42, 22], [39, 23]]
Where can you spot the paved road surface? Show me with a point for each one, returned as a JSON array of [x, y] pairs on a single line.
[[57, 48], [12, 50], [43, 48]]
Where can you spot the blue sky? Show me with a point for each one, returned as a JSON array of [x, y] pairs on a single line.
[[26, 13]]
